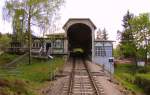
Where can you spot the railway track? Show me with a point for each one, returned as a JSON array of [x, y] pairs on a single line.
[[81, 81]]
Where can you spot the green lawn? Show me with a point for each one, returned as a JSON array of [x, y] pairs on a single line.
[[125, 73], [30, 76]]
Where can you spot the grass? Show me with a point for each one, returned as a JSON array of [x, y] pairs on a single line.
[[39, 70], [125, 73], [32, 76], [6, 58], [14, 86]]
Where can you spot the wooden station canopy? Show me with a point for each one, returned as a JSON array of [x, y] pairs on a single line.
[[80, 34]]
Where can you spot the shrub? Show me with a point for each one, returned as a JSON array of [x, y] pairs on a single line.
[[145, 69], [12, 86], [128, 77], [143, 81], [6, 58]]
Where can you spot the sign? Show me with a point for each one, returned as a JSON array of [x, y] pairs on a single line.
[[111, 59], [141, 63]]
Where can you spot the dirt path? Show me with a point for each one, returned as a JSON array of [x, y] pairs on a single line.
[[110, 88]]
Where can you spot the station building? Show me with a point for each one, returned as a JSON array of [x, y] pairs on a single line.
[[79, 33]]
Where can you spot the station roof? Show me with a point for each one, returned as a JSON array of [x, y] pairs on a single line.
[[78, 19]]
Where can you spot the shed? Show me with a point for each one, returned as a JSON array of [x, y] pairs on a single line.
[[103, 54]]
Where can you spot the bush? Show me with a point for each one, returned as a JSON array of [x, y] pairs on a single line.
[[12, 86], [128, 77], [142, 70], [4, 41], [6, 58], [125, 73], [143, 81]]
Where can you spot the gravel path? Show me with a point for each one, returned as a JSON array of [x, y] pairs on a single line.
[[109, 87]]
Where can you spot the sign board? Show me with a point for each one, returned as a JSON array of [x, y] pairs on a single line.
[[111, 64], [141, 63], [111, 59]]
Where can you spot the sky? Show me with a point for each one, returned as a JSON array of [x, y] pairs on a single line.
[[104, 13], [5, 27]]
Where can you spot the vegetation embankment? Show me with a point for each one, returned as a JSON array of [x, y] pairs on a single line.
[[27, 79], [134, 44], [133, 78], [6, 58]]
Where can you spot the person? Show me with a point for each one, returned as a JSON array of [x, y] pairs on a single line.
[[47, 47]]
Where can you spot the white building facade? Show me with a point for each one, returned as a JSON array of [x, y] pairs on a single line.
[[103, 54]]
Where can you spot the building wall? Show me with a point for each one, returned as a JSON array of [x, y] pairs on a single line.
[[102, 54], [57, 46]]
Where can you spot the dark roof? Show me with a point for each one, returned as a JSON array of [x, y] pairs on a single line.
[[80, 19]]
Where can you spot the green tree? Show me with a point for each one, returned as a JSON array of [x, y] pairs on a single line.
[[141, 27], [99, 34], [35, 12], [18, 26], [4, 41], [117, 52], [127, 44], [104, 34]]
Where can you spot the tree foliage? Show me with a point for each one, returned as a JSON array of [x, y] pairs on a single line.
[[32, 12], [135, 36], [141, 32], [141, 28], [99, 34], [102, 34], [127, 44], [105, 35], [117, 52], [4, 41]]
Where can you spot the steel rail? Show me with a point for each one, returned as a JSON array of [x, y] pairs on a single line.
[[97, 91], [92, 81], [71, 79]]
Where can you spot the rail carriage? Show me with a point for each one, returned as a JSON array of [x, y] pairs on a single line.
[[77, 52]]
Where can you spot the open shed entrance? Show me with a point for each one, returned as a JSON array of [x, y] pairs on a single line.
[[80, 37]]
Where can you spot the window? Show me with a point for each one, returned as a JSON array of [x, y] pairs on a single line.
[[108, 50], [100, 51], [58, 44]]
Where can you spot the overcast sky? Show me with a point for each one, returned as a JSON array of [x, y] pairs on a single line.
[[104, 13], [5, 27]]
